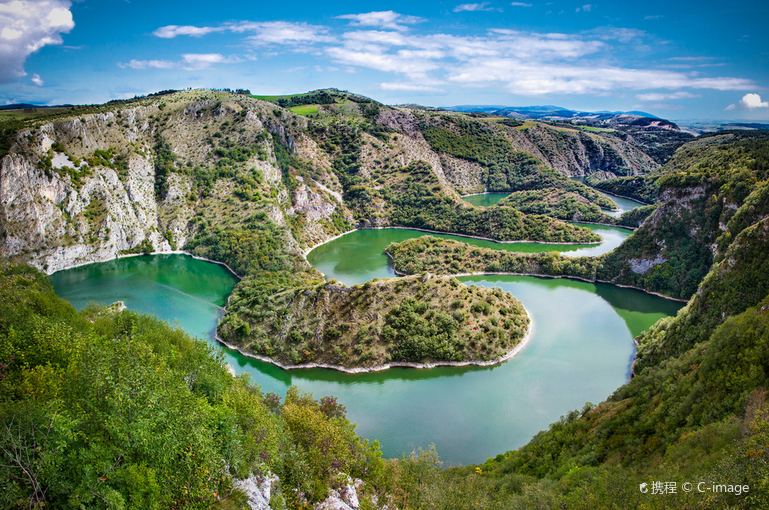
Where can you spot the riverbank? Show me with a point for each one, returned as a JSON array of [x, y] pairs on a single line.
[[168, 252], [539, 275], [307, 252], [394, 364]]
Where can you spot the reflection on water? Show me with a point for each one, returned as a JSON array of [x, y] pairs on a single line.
[[580, 350], [484, 199], [358, 256], [623, 204]]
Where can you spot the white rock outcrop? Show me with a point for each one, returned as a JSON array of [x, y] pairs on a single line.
[[258, 489], [344, 498]]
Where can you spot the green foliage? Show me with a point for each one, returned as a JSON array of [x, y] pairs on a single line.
[[635, 217], [256, 245], [165, 163], [557, 203], [417, 206], [105, 409], [8, 130], [446, 256], [320, 97], [295, 320], [638, 187], [739, 281]]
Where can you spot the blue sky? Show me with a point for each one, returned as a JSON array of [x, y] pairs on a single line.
[[676, 59]]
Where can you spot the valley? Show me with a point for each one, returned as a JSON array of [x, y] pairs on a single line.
[[305, 198]]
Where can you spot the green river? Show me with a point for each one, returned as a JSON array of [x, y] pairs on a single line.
[[490, 199], [581, 348]]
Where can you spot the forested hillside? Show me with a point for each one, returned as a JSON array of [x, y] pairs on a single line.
[[110, 409]]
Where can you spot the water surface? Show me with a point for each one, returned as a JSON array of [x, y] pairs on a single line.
[[358, 256], [624, 204], [484, 199], [580, 350]]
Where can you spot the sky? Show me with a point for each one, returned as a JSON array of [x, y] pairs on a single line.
[[675, 59]]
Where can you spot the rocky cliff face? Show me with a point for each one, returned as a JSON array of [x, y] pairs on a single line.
[[57, 224], [151, 174], [84, 189]]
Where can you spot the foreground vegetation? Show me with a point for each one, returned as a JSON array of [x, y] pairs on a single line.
[[417, 319], [105, 409]]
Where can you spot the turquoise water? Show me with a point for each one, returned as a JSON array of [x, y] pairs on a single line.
[[359, 256], [623, 204], [484, 199], [580, 350]]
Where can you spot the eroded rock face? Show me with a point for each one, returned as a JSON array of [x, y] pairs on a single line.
[[258, 489], [43, 213], [344, 498], [641, 266]]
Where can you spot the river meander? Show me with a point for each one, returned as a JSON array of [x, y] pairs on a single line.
[[581, 348], [491, 199]]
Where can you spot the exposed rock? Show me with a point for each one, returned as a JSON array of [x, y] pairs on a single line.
[[640, 266], [258, 489], [344, 498]]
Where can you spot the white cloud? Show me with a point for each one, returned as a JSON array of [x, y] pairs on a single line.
[[195, 61], [409, 86], [383, 19], [656, 96], [148, 64], [520, 4], [171, 31], [264, 32], [25, 27], [521, 62], [656, 16], [473, 7], [189, 62], [749, 102], [37, 80], [283, 32]]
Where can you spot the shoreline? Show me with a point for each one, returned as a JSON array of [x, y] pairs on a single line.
[[619, 196], [487, 193], [308, 250], [170, 252], [538, 275], [393, 364], [603, 225]]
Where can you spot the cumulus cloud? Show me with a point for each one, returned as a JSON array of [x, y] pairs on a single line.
[[37, 80], [189, 62], [148, 64], [383, 19], [749, 102], [656, 96], [473, 7], [25, 27]]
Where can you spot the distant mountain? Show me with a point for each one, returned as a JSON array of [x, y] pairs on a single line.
[[546, 112], [28, 106]]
